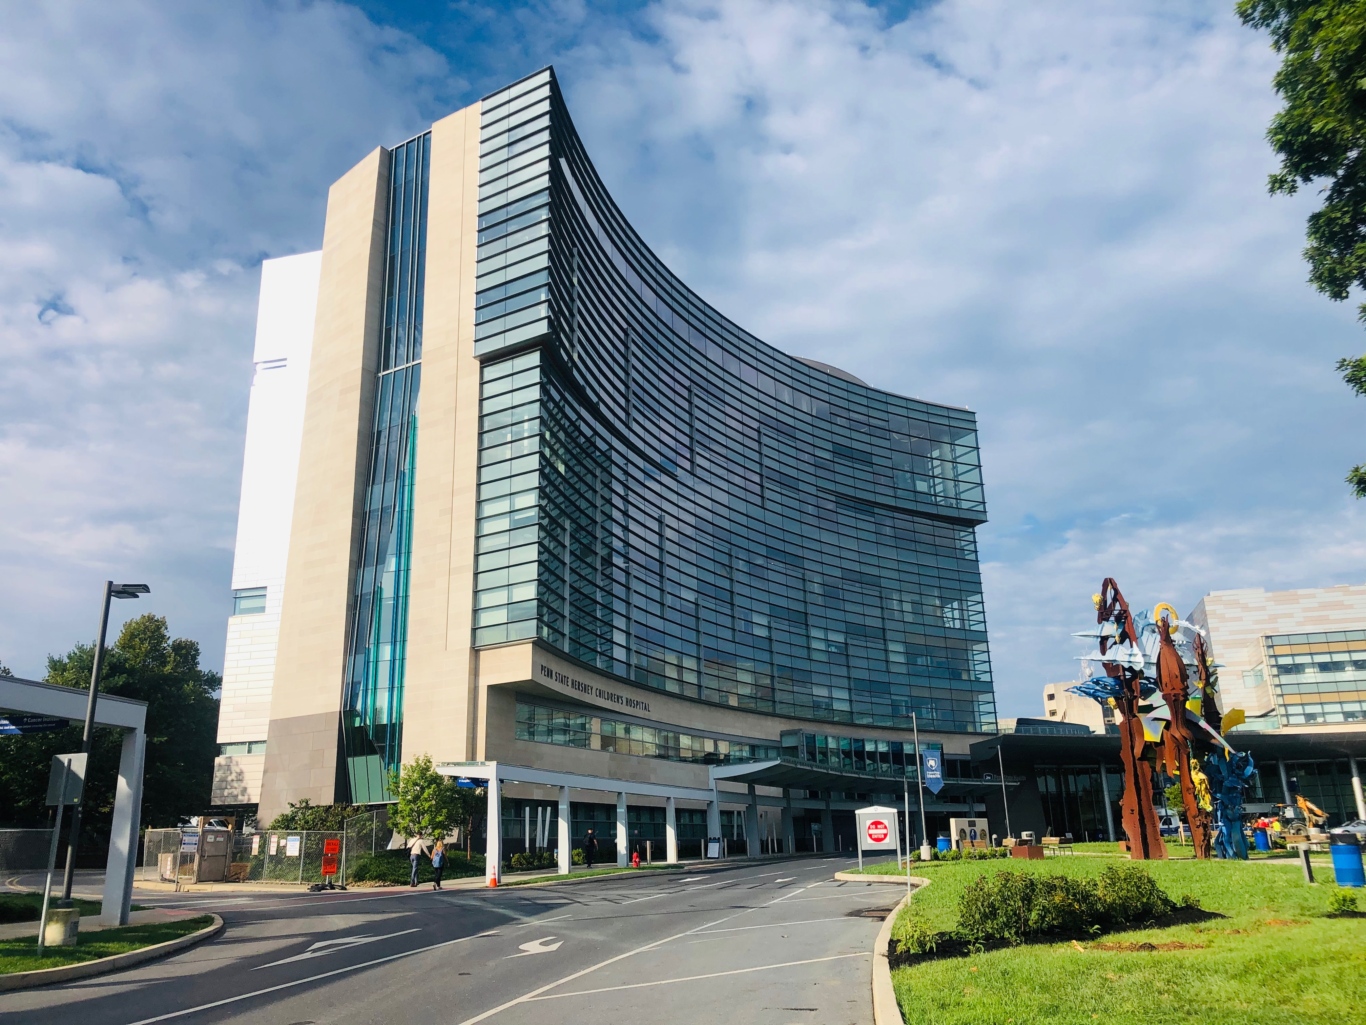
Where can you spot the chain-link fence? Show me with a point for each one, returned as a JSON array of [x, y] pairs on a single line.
[[24, 850], [168, 855], [284, 856]]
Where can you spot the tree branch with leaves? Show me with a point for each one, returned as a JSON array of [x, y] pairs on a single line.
[[1320, 136]]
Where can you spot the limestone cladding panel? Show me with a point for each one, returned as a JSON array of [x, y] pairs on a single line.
[[301, 756], [237, 779], [438, 691], [532, 668], [1237, 620], [249, 672]]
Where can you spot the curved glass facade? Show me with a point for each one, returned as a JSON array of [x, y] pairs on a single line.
[[668, 499]]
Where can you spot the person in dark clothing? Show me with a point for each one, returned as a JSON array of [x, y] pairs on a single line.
[[590, 849], [438, 863], [413, 854]]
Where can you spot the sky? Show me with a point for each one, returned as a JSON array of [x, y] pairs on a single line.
[[1053, 213]]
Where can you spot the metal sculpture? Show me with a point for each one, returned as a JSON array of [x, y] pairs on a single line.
[[1143, 654], [1176, 741], [1123, 661], [1230, 774]]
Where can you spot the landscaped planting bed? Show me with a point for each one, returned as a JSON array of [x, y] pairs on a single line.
[[1210, 942]]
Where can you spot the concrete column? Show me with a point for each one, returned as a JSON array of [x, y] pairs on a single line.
[[623, 839], [566, 852], [526, 828], [827, 827], [789, 832], [1285, 783], [493, 848], [1109, 812], [123, 838], [714, 814], [670, 831], [1356, 787], [752, 823]]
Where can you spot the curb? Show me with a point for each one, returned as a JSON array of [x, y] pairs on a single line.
[[85, 969], [886, 1011], [859, 877]]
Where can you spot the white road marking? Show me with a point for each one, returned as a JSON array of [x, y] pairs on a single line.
[[695, 978], [775, 925], [537, 947], [542, 921], [533, 994], [786, 880], [689, 879], [302, 982], [332, 946], [637, 900]]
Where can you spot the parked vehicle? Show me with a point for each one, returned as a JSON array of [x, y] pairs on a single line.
[[1169, 825]]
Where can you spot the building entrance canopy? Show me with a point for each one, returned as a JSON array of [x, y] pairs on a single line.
[[33, 698], [792, 774]]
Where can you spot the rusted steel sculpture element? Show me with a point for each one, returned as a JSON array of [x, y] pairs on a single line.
[[1176, 739], [1136, 808]]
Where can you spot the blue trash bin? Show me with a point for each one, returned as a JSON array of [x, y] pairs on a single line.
[[943, 843], [1262, 841], [1347, 866]]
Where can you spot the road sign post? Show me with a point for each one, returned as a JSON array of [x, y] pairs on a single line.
[[65, 781], [878, 830]]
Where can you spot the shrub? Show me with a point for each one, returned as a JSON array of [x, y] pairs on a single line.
[[532, 860], [1342, 902], [576, 856], [393, 867], [996, 907], [1010, 906], [971, 854], [1062, 904], [1129, 894], [306, 816], [912, 936]]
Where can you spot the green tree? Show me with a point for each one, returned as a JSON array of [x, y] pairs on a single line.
[[305, 815], [144, 663], [1320, 136], [430, 805]]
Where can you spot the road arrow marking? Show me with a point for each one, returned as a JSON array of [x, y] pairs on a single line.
[[690, 879], [332, 946], [538, 947], [787, 880]]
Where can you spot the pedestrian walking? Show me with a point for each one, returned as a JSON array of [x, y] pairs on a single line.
[[438, 863], [590, 849], [413, 854]]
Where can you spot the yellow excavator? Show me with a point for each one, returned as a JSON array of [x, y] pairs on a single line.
[[1299, 824]]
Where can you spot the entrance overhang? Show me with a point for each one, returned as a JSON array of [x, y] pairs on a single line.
[[30, 697]]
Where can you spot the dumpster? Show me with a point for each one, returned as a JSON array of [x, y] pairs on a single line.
[[1346, 852]]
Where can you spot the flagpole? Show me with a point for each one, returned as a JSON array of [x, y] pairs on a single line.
[[920, 795]]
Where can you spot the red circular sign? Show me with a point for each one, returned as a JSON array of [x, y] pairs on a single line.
[[877, 831]]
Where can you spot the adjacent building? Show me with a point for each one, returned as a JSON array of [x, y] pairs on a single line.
[[515, 494]]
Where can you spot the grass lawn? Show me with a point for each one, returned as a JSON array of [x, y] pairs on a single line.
[[26, 907], [1276, 957], [22, 955]]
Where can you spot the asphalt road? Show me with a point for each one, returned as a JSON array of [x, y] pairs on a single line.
[[769, 943]]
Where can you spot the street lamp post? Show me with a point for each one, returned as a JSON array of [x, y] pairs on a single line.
[[74, 838]]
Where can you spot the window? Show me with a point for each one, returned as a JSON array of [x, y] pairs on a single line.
[[248, 601], [246, 747]]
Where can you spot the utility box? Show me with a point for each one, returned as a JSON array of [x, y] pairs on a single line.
[[213, 856], [969, 833]]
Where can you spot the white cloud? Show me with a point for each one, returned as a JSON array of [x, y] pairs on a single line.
[[150, 155], [1052, 213]]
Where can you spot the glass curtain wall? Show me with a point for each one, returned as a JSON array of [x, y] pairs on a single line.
[[373, 710], [669, 500]]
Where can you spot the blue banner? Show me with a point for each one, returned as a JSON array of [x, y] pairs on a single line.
[[19, 725], [933, 754]]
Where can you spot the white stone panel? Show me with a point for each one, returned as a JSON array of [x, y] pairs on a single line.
[[270, 466]]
